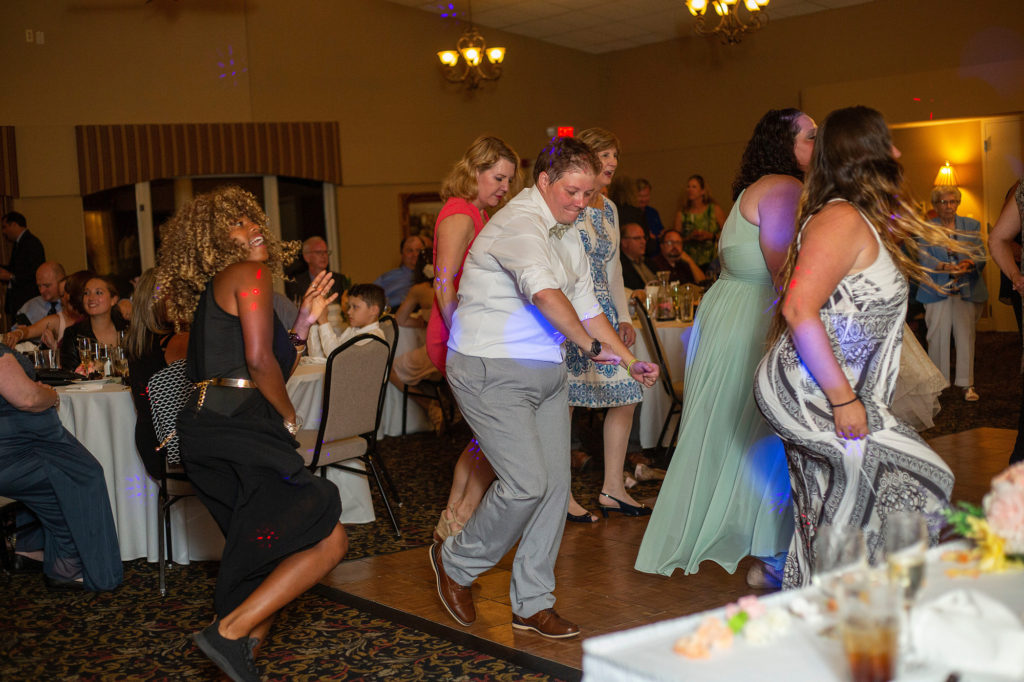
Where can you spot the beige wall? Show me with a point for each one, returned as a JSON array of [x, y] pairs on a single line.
[[680, 107], [688, 106]]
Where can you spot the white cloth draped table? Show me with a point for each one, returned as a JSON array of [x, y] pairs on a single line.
[[103, 420]]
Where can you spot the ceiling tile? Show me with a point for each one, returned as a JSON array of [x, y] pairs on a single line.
[[602, 25]]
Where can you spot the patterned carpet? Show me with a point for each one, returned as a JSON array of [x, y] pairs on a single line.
[[134, 634]]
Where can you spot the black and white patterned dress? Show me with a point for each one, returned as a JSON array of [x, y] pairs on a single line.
[[849, 482]]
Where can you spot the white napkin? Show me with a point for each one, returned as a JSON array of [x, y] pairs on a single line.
[[25, 347], [967, 631], [306, 360], [86, 388]]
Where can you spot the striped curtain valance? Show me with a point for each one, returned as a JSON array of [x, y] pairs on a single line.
[[8, 163], [115, 155]]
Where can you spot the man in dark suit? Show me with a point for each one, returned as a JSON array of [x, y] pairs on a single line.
[[27, 255], [316, 255], [635, 273]]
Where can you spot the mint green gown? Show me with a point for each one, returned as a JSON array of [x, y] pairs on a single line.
[[726, 494]]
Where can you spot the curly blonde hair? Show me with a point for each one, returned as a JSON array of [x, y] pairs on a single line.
[[853, 161], [196, 244]]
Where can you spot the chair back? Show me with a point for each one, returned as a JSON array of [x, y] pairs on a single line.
[[654, 343], [356, 377]]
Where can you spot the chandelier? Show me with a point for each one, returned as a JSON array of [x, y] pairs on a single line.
[[731, 24], [479, 63]]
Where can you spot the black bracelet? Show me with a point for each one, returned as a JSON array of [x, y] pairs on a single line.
[[848, 402], [294, 338]]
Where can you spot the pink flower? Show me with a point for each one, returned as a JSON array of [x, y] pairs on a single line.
[[1004, 509], [751, 605]]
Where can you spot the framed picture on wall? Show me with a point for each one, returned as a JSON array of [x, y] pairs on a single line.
[[418, 213]]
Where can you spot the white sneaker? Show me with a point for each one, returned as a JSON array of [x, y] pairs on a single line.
[[970, 395]]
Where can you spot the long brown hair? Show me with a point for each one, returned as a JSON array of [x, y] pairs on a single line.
[[853, 161]]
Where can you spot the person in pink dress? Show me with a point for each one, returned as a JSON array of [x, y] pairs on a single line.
[[478, 182]]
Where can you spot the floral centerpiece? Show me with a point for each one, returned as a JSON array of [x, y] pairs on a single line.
[[997, 526], [747, 617]]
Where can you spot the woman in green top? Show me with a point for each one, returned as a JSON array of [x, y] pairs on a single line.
[[700, 222]]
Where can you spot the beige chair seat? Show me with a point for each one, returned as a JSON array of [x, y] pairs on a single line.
[[332, 452]]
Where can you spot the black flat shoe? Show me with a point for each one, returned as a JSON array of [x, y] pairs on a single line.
[[63, 584], [585, 517], [23, 564], [623, 508]]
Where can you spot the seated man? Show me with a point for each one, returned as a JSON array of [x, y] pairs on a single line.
[[396, 283], [48, 301], [316, 255], [61, 484], [635, 273], [681, 267], [363, 307]]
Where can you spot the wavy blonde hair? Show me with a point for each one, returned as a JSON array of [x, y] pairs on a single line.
[[196, 244], [853, 161], [481, 155]]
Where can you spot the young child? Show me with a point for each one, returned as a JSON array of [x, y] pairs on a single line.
[[364, 306]]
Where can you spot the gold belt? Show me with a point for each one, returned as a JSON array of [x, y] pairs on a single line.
[[230, 382]]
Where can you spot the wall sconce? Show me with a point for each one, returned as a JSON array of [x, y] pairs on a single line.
[[946, 177]]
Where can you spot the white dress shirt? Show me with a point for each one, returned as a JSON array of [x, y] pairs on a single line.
[[512, 259], [322, 339]]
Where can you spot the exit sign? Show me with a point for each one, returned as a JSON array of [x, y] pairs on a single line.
[[565, 131]]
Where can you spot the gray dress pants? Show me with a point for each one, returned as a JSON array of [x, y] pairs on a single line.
[[519, 413]]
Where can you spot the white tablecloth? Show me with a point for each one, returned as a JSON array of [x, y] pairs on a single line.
[[645, 653], [104, 421], [674, 336], [306, 388]]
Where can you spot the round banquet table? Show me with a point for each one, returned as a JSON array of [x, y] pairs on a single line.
[[674, 336], [102, 418]]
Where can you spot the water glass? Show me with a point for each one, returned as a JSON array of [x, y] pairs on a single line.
[[45, 358], [906, 543], [837, 550], [869, 607]]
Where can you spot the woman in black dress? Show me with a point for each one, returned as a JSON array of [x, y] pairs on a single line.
[[217, 266], [152, 344]]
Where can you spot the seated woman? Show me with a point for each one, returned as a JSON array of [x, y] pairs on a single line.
[[152, 344], [102, 322], [414, 366], [50, 329], [60, 483]]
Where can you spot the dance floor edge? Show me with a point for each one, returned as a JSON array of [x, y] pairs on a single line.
[[597, 585]]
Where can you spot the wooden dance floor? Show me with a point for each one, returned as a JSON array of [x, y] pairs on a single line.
[[597, 586]]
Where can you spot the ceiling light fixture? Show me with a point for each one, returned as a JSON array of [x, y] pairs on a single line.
[[479, 63], [731, 24]]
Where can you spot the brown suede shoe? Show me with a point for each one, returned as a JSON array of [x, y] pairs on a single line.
[[547, 623], [457, 599]]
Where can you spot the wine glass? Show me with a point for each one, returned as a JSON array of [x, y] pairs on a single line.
[[906, 542], [120, 362], [837, 550], [85, 351]]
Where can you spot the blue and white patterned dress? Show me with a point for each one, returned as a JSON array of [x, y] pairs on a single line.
[[592, 385], [851, 483]]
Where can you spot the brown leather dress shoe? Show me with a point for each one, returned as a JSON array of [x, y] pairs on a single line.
[[457, 599], [547, 623]]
